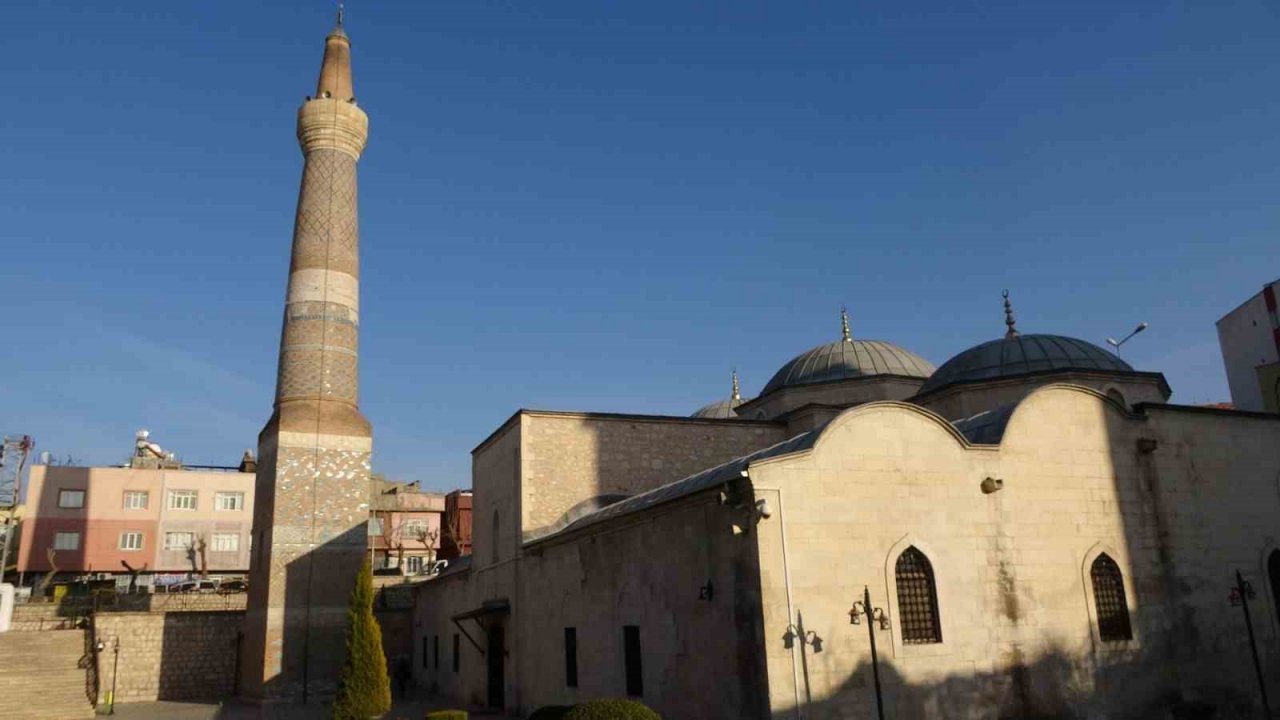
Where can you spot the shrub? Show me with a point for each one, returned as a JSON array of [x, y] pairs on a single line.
[[551, 712], [446, 715], [612, 710], [364, 690]]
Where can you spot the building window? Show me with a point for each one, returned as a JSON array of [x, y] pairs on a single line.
[[414, 564], [228, 501], [456, 654], [1117, 396], [135, 500], [631, 653], [493, 539], [178, 540], [1273, 573], [182, 499], [226, 542], [130, 541], [1109, 600], [66, 541], [426, 659], [571, 657], [917, 599], [413, 529], [435, 651], [70, 498]]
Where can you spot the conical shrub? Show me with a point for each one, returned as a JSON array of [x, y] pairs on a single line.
[[364, 690]]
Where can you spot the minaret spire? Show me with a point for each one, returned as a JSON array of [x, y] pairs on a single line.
[[335, 69], [312, 486], [844, 324], [1010, 331], [737, 392]]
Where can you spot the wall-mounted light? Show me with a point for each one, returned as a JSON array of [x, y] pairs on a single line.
[[992, 484]]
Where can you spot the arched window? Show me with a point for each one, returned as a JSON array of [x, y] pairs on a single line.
[[1118, 396], [917, 599], [1109, 600], [493, 538], [1273, 573]]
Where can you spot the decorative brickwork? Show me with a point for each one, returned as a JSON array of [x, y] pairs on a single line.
[[314, 453]]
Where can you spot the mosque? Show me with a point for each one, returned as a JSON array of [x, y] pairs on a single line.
[[1028, 530]]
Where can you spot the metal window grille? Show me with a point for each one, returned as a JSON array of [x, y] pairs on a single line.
[[1108, 598], [917, 599]]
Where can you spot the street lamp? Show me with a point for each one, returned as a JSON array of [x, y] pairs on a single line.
[[1116, 344], [1241, 593], [875, 616]]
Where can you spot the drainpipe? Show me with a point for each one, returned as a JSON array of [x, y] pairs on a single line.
[[786, 579]]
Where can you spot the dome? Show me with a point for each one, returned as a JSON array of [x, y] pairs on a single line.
[[1016, 354], [722, 410], [848, 359]]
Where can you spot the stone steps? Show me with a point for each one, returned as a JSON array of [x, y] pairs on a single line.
[[41, 677]]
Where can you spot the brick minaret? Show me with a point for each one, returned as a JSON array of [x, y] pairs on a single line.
[[313, 455]]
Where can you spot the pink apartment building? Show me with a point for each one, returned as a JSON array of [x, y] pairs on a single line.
[[97, 518]]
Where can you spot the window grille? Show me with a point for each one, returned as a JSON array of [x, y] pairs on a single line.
[[135, 500], [71, 499], [182, 499], [917, 599], [1109, 601], [229, 501]]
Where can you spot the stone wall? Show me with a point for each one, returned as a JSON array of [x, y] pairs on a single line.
[[188, 656], [51, 616], [572, 457]]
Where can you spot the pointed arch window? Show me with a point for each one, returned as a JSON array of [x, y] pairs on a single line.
[[917, 598], [1273, 574], [1109, 600]]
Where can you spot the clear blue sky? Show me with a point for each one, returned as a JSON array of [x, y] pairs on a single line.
[[607, 206]]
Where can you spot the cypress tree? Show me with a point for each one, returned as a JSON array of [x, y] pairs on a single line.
[[364, 690]]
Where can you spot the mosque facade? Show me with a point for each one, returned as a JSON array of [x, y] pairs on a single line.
[[1038, 532]]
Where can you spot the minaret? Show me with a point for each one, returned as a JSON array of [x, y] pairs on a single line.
[[312, 485]]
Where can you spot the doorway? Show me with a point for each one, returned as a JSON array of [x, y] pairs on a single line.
[[496, 660]]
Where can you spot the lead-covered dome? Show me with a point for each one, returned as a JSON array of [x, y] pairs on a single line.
[[1018, 354], [722, 409], [848, 359]]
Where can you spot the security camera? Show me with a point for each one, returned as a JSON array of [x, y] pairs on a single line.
[[763, 509]]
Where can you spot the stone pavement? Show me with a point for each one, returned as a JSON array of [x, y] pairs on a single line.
[[401, 710]]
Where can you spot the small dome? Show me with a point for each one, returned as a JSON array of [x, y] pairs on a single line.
[[847, 360], [1023, 354], [722, 410]]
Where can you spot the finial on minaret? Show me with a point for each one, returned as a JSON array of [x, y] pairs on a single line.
[[737, 392], [339, 14], [1008, 317], [844, 324]]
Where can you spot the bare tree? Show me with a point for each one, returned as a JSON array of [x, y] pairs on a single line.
[[202, 547], [133, 575], [51, 554]]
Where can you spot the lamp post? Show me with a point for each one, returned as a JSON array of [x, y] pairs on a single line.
[[1117, 343], [797, 632], [875, 616], [1241, 593]]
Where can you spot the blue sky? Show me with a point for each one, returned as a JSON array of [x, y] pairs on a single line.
[[607, 206]]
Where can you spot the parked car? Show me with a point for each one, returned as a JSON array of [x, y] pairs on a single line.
[[233, 586]]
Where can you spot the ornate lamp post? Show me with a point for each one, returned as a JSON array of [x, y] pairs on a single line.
[[875, 616], [1241, 593]]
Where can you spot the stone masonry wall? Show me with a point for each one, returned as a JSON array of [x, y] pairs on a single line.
[[168, 656], [569, 458], [52, 616]]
